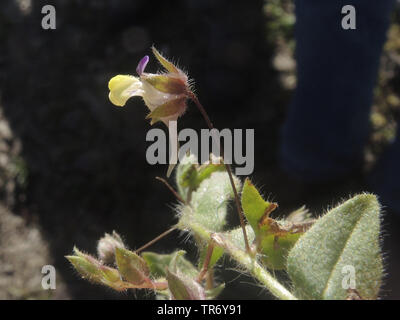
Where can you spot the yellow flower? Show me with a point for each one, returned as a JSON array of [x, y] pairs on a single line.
[[122, 87], [165, 94]]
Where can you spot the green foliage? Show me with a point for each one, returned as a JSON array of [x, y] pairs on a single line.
[[275, 249], [254, 206], [132, 267], [216, 255], [235, 237], [94, 271], [186, 175], [184, 288], [313, 252], [348, 235], [208, 198], [159, 263], [314, 258], [189, 174], [209, 202], [214, 292], [273, 238]]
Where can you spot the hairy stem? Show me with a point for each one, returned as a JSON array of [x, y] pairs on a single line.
[[206, 261], [194, 98], [159, 237], [238, 208], [251, 264], [244, 259], [171, 189]]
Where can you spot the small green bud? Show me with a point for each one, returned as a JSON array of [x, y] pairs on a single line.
[[132, 267], [184, 288], [93, 270], [88, 267]]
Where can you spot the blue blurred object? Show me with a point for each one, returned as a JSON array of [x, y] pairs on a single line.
[[327, 124]]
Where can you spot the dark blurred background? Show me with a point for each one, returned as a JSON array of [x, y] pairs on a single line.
[[73, 166]]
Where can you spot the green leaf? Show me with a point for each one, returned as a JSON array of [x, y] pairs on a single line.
[[110, 274], [272, 252], [206, 170], [209, 202], [274, 238], [346, 237], [188, 178], [132, 267], [215, 292], [180, 264], [254, 206], [158, 263], [217, 253], [235, 236], [274, 249], [190, 175], [186, 175], [184, 288]]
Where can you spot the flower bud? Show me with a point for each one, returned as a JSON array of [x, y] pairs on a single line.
[[93, 270], [132, 267], [107, 245], [184, 288]]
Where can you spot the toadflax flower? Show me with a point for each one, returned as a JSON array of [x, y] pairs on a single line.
[[165, 94]]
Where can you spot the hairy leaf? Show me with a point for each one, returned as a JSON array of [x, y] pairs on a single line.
[[159, 263], [254, 206], [346, 239], [131, 266], [215, 292], [184, 288], [209, 202], [273, 238]]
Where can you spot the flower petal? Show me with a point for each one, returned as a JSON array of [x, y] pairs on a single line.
[[142, 65], [122, 87], [154, 98]]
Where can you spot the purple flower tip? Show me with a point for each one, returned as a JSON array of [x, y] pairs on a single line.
[[142, 64]]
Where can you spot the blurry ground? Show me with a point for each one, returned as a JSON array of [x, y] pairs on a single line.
[[73, 167]]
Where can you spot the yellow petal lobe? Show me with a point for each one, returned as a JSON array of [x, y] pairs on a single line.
[[118, 86]]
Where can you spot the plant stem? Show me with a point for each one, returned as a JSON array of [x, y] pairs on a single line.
[[247, 261], [244, 258], [194, 98], [206, 261], [238, 208], [171, 189], [203, 111], [162, 235], [251, 264]]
